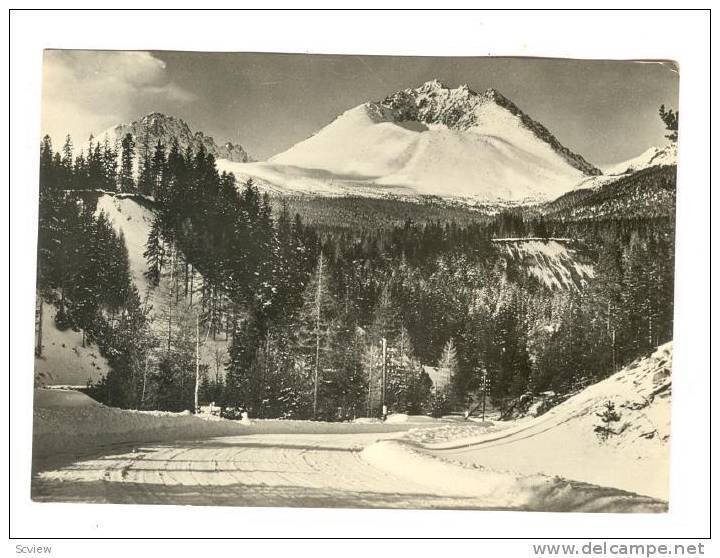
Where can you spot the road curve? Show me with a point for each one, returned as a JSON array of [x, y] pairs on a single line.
[[299, 470], [309, 470]]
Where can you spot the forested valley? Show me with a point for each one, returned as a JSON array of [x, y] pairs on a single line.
[[327, 317]]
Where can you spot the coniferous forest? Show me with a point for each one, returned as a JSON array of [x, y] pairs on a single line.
[[310, 300]]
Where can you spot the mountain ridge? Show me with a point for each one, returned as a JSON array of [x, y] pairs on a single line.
[[165, 128], [435, 103]]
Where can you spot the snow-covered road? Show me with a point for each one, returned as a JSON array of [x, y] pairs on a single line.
[[310, 470]]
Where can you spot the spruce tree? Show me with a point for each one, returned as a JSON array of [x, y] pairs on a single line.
[[127, 158]]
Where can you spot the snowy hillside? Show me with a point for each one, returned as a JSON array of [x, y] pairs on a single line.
[[654, 156], [64, 360], [431, 141], [165, 129], [554, 263], [133, 216], [564, 441], [649, 192]]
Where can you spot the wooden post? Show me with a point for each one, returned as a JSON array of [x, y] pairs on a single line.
[[197, 360], [318, 300], [484, 383], [370, 381], [38, 346], [384, 372]]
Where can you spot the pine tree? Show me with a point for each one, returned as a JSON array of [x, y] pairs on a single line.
[[154, 254], [160, 172], [48, 171], [66, 168], [146, 178], [670, 118], [127, 158], [109, 164], [447, 365], [316, 328]]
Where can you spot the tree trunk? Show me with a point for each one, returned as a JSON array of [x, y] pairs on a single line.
[[318, 300], [197, 361], [38, 345]]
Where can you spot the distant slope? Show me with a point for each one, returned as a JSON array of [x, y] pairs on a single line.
[[647, 193], [554, 263], [653, 157], [429, 141]]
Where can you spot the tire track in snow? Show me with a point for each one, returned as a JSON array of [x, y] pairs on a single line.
[[259, 470]]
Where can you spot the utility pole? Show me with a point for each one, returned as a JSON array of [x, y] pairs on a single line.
[[197, 360], [318, 300], [370, 383], [38, 345], [484, 390], [384, 375]]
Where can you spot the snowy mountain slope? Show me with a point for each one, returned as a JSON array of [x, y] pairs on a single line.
[[433, 141], [563, 441], [654, 156], [648, 192], [64, 360], [132, 217], [554, 263], [164, 128]]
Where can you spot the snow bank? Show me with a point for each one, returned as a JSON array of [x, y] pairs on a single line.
[[59, 398], [635, 457], [69, 422], [64, 360], [502, 490]]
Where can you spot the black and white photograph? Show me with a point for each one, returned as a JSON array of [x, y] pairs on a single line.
[[359, 275], [444, 285]]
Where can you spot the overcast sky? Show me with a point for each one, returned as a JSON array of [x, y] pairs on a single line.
[[605, 111]]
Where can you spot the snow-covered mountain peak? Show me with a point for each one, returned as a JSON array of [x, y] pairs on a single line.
[[653, 156], [159, 127], [429, 140], [463, 109]]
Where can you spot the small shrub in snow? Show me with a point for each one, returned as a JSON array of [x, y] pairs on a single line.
[[609, 417]]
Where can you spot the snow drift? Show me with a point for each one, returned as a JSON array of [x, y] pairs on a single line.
[[503, 489], [67, 423]]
